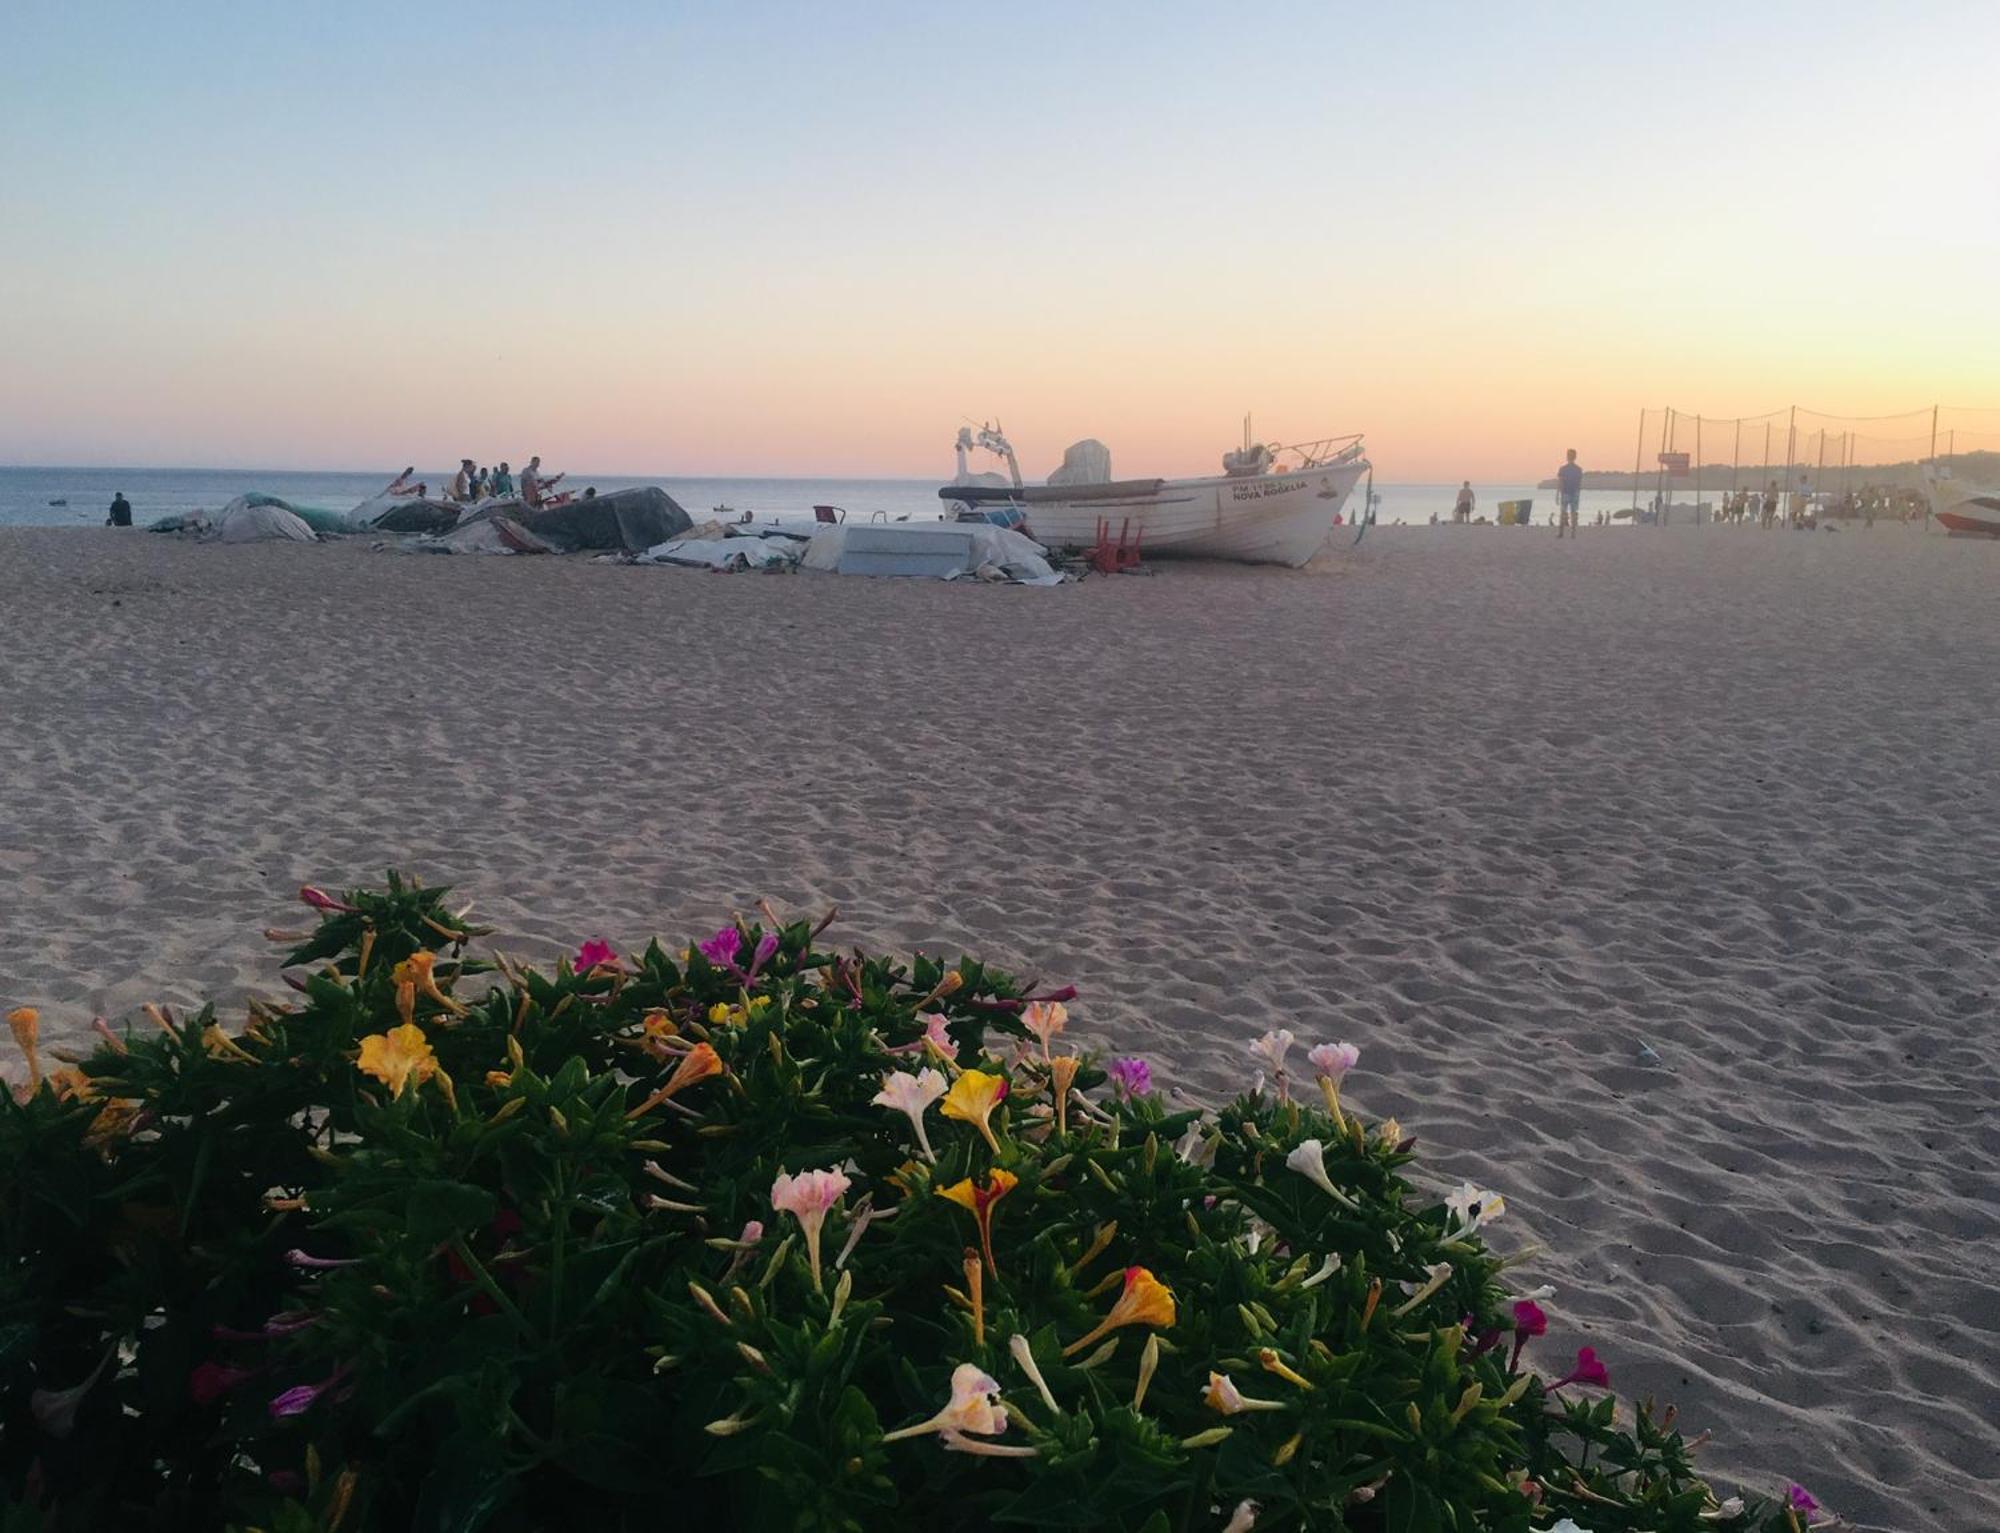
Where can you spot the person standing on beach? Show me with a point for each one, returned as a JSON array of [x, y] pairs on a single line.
[[121, 511], [1569, 494], [503, 482], [1462, 512]]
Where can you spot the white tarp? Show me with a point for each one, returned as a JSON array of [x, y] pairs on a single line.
[[725, 553], [242, 522], [930, 550], [1085, 462]]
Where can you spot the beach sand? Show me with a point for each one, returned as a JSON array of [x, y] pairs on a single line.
[[1499, 810]]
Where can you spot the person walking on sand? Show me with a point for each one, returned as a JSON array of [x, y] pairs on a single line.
[[1462, 511], [1569, 494], [121, 511]]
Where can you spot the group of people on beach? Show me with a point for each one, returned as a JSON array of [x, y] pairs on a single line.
[[472, 484]]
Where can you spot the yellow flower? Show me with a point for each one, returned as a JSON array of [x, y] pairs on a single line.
[[972, 1098], [658, 1025], [1145, 1301], [721, 1014], [398, 1057], [979, 1201]]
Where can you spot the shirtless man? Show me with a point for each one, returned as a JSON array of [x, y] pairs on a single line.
[[535, 485]]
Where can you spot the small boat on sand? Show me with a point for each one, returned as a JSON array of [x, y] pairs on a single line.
[[1270, 505], [1965, 508]]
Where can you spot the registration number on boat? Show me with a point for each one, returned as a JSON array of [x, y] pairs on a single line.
[[1261, 489]]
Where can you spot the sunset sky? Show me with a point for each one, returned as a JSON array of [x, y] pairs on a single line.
[[813, 239]]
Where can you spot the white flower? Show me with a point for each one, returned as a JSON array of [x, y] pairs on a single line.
[[1535, 1295], [974, 1411], [1327, 1269], [1309, 1160], [1243, 1519], [1223, 1397], [1024, 1358], [1334, 1060], [911, 1095], [1567, 1526], [1194, 1147], [1471, 1207], [1273, 1047]]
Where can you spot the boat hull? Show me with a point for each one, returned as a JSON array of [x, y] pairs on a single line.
[[1272, 519], [1964, 508]]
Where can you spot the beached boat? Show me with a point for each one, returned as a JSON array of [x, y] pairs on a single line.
[[1270, 505], [1963, 507]]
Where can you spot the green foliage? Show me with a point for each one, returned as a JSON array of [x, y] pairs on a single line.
[[522, 1290]]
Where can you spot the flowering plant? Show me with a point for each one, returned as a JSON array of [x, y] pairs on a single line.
[[761, 1234]]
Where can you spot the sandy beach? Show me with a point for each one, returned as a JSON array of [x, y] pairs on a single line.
[[1653, 874]]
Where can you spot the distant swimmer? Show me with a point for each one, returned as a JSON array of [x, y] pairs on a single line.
[[1569, 495], [121, 511], [1462, 510]]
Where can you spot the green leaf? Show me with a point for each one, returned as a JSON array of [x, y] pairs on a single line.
[[436, 1211]]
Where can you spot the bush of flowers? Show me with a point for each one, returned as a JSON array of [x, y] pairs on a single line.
[[756, 1234]]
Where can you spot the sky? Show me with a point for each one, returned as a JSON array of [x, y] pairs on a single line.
[[810, 239]]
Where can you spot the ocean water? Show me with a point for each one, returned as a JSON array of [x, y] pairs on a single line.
[[28, 495]]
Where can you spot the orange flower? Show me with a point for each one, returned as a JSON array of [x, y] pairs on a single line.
[[1045, 1019], [417, 970], [697, 1064], [398, 1057], [26, 1025], [972, 1098], [979, 1201], [1062, 1075], [1145, 1301]]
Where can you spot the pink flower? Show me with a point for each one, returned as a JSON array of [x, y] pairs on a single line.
[[299, 1399], [1045, 1019], [310, 1263], [722, 948], [1529, 1320], [753, 1231], [595, 954], [767, 947], [211, 1381], [1799, 1499], [1131, 1077], [809, 1197], [1334, 1060], [1588, 1370], [320, 900]]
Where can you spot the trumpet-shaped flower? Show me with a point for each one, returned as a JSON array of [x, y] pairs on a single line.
[[1224, 1397], [973, 1412], [979, 1201], [1130, 1077], [1529, 1321], [26, 1025], [1145, 1300], [1273, 1047], [1334, 1060], [697, 1064], [595, 954], [1589, 1370], [911, 1095], [1045, 1019], [1244, 1518], [323, 902], [1024, 1359], [398, 1057], [1062, 1076], [1567, 1525], [419, 969], [767, 948], [722, 948], [1471, 1207], [972, 1098], [808, 1197], [1309, 1160]]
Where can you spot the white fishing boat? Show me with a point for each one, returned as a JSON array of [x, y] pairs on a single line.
[[1963, 507], [1270, 505]]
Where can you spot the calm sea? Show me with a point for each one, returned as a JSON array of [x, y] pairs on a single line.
[[29, 496]]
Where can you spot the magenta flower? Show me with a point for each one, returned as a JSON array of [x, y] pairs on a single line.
[[321, 901], [595, 954], [1131, 1077], [299, 1399], [767, 946], [211, 1381], [1588, 1370], [1799, 1499], [721, 949], [1529, 1320]]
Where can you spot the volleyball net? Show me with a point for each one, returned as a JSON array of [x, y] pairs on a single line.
[[1797, 449]]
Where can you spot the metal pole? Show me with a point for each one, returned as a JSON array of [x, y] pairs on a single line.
[[1697, 469], [1791, 446], [1660, 481], [1638, 452], [1934, 411], [1819, 474]]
